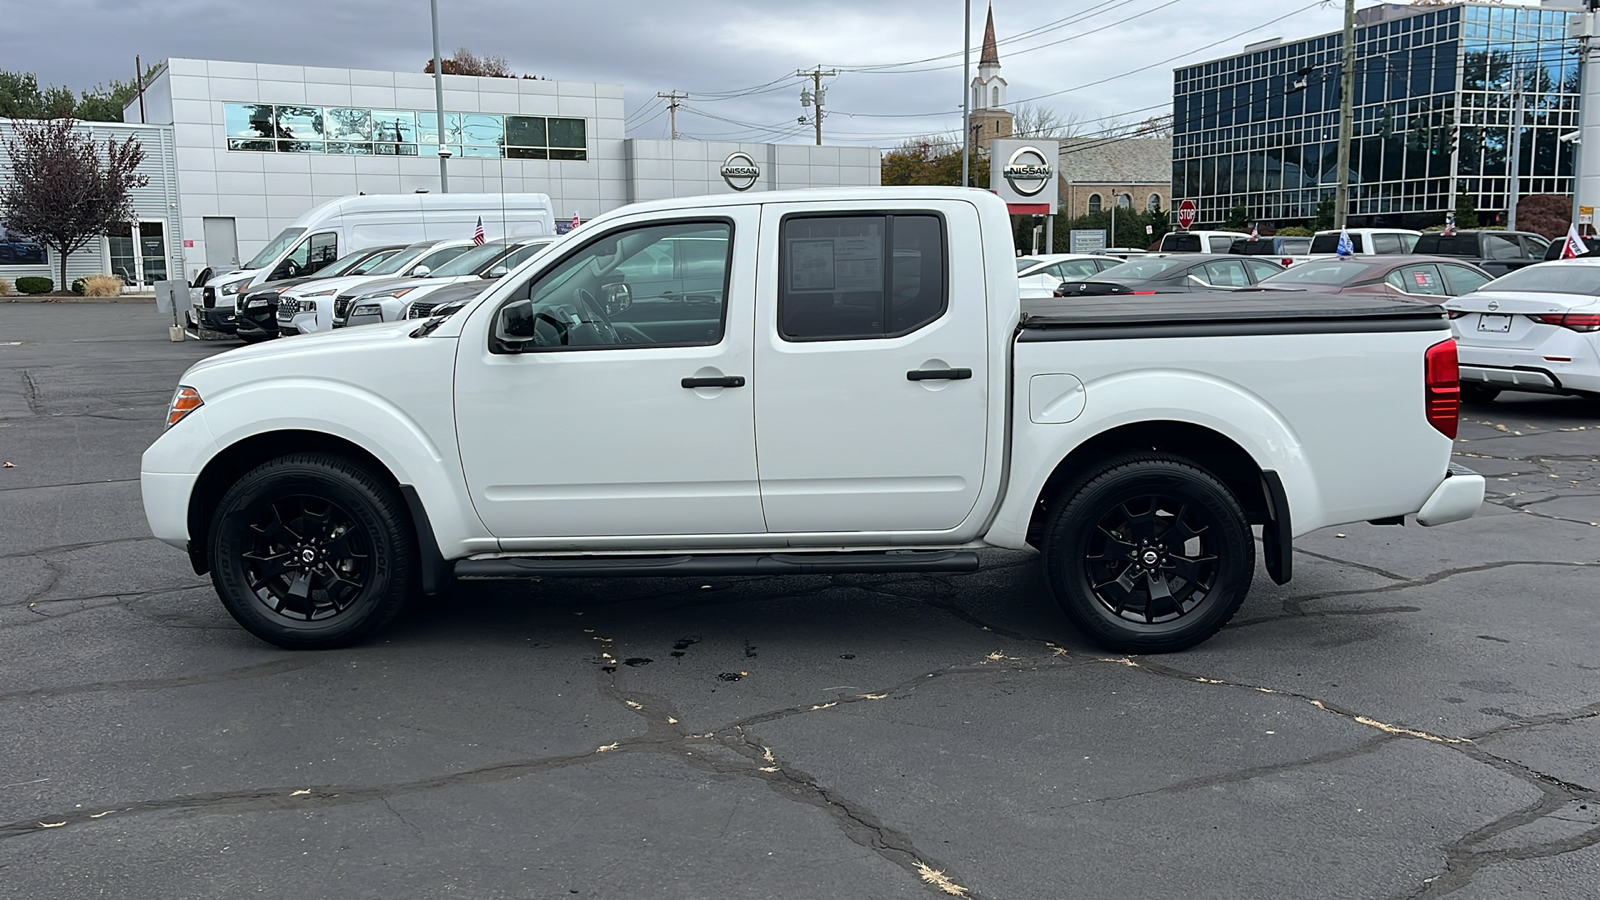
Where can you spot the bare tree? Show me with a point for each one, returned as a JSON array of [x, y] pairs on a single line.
[[1031, 121], [465, 62], [66, 190]]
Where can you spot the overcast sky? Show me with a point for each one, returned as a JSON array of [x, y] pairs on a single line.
[[705, 48]]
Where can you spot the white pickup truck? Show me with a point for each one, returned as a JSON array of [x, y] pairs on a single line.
[[853, 387]]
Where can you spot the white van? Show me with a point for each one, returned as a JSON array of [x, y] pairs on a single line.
[[353, 223]]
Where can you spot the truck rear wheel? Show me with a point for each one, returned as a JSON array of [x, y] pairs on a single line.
[[311, 551], [1149, 555]]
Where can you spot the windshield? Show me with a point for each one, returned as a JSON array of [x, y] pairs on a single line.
[[470, 262], [374, 261], [1549, 278], [1135, 270], [395, 263], [273, 250], [523, 254], [439, 256], [1324, 272], [1024, 263]]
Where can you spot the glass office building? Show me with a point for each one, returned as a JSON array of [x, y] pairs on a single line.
[[1436, 91]]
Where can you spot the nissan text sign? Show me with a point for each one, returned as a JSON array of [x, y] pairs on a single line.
[[1025, 175], [740, 171]]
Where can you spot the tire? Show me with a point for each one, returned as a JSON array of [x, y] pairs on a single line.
[[1149, 554], [355, 528], [1473, 393]]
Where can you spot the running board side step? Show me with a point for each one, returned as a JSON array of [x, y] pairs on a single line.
[[727, 564]]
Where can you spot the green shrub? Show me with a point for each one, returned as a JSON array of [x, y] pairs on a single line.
[[35, 284], [77, 286], [1295, 231]]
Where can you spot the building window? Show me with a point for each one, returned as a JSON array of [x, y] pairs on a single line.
[[994, 101], [1152, 203], [266, 128], [1125, 201], [1094, 203]]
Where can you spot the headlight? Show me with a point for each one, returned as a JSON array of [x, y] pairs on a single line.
[[367, 309], [394, 293], [322, 293], [256, 303], [233, 287], [184, 401], [308, 306]]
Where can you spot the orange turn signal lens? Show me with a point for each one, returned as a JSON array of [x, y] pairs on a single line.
[[185, 401]]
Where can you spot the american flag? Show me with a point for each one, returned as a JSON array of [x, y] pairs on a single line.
[[576, 221], [1254, 234], [477, 233]]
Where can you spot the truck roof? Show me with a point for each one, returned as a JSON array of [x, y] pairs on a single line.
[[897, 194]]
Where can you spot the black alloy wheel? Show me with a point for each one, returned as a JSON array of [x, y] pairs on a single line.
[[311, 551], [1150, 554]]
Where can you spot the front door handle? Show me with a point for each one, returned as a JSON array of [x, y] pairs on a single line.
[[714, 381], [938, 374]]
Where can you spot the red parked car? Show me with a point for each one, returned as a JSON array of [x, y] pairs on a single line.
[[1417, 279]]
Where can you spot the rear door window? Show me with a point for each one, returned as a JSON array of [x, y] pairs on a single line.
[[1388, 244], [1221, 244], [1422, 278], [1228, 273], [860, 277], [1462, 280], [1501, 246], [1075, 269], [1260, 269]]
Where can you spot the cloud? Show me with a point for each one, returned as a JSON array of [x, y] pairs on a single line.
[[710, 49]]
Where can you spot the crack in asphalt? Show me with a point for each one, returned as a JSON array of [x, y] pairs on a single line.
[[261, 670], [39, 487], [30, 392], [70, 548]]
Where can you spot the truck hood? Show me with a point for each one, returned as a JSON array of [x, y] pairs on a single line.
[[341, 340]]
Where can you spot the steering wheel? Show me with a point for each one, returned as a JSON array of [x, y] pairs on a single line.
[[600, 321]]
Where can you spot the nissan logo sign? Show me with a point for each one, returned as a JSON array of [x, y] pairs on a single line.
[[1028, 171], [740, 171]]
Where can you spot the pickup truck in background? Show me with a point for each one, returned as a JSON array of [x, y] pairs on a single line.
[[1198, 241], [861, 391], [1495, 252], [1285, 251]]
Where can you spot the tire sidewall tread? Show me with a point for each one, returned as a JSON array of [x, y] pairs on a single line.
[[375, 505]]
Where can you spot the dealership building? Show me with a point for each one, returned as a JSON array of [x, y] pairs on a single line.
[[1450, 102], [236, 151]]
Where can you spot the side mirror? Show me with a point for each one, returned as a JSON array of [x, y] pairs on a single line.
[[513, 326], [421, 272], [497, 272], [618, 298]]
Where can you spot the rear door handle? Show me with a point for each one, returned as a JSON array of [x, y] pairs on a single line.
[[938, 374], [715, 381]]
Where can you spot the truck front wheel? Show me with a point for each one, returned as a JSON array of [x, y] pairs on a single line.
[[311, 551], [1149, 555]]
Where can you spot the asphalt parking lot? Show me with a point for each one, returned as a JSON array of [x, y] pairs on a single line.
[[1416, 715]]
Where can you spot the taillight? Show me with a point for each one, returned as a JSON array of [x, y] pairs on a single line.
[[1456, 313], [1057, 293], [1137, 293], [1442, 371], [184, 401], [1585, 322]]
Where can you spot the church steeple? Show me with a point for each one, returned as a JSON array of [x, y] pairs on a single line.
[[989, 88], [991, 52]]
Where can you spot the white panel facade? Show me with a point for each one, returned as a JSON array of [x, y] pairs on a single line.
[[264, 190]]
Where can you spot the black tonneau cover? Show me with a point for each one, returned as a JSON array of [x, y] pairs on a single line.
[[1243, 313]]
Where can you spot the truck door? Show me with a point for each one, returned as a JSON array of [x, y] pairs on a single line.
[[615, 412], [871, 369]]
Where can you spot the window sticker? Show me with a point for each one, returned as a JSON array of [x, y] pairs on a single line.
[[836, 264], [1424, 278]]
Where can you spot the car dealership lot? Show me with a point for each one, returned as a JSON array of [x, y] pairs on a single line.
[[1417, 713]]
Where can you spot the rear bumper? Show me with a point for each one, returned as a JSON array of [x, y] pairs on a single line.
[[1457, 497], [1532, 379]]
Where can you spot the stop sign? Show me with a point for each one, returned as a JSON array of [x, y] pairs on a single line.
[[1186, 214]]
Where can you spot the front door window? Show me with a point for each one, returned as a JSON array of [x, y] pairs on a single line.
[[138, 252]]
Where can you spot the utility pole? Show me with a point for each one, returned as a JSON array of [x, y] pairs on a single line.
[[438, 100], [966, 94], [814, 96], [1586, 168], [673, 98], [1347, 90], [1514, 164], [138, 72]]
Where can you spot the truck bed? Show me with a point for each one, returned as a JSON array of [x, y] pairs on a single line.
[[1245, 313]]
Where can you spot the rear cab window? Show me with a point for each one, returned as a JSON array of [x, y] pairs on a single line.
[[1180, 242], [1329, 243], [858, 277]]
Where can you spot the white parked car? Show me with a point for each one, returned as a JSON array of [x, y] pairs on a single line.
[[853, 386], [386, 300], [1042, 274], [1536, 329], [309, 308]]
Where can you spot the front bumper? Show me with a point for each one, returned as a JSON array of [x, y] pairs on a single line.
[[261, 320], [166, 505], [1456, 498], [219, 318]]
